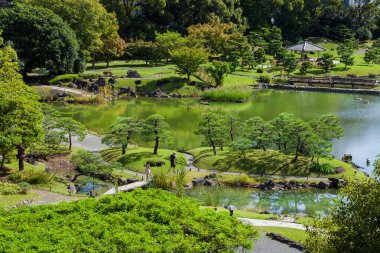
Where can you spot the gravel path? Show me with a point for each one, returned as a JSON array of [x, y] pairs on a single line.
[[271, 223], [69, 90], [47, 197], [267, 245]]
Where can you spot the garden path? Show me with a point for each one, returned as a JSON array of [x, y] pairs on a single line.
[[47, 197], [272, 223], [266, 245]]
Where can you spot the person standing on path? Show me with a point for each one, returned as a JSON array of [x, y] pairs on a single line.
[[172, 161], [147, 170]]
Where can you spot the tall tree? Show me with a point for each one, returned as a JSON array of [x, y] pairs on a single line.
[[346, 50], [42, 39], [169, 41], [188, 60], [87, 18], [122, 133], [213, 129], [259, 132], [156, 129], [218, 71], [72, 128]]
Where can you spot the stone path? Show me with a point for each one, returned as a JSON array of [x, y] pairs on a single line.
[[47, 197], [266, 245], [69, 90], [272, 223], [126, 188]]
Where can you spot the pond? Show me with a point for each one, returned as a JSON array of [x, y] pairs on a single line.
[[360, 121], [310, 202], [95, 187]]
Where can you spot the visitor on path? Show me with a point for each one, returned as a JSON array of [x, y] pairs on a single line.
[[147, 170], [172, 161]]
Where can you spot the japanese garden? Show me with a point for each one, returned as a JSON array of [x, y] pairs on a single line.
[[190, 126]]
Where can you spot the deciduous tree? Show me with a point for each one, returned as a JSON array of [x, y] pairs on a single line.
[[156, 129], [188, 60]]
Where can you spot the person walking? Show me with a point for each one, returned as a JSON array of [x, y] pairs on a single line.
[[147, 170], [172, 161]]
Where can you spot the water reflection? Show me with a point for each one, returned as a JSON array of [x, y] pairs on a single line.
[[277, 202]]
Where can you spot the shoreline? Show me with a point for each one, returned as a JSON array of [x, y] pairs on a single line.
[[322, 89]]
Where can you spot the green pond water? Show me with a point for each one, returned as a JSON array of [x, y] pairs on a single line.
[[309, 202], [360, 121]]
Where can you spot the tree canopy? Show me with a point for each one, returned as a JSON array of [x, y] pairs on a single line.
[[42, 39]]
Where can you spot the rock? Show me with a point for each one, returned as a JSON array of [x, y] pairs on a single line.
[[336, 183], [159, 94], [132, 180], [73, 86], [137, 82], [122, 181], [160, 163], [73, 189], [210, 182], [322, 185], [347, 158], [198, 181], [112, 80], [339, 170], [268, 185], [101, 82], [193, 83], [133, 74], [188, 186], [212, 175], [313, 185], [30, 159], [82, 84]]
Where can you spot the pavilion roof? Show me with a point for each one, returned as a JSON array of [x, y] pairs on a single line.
[[305, 46]]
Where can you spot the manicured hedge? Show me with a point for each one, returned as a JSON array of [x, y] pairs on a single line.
[[141, 221]]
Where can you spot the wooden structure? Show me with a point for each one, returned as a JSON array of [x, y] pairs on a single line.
[[305, 47], [335, 82]]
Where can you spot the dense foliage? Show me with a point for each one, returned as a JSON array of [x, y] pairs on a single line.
[[353, 223], [141, 221], [42, 39]]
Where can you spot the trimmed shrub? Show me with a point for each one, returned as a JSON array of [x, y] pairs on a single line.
[[324, 168], [63, 78], [24, 188], [35, 177], [9, 189], [265, 79]]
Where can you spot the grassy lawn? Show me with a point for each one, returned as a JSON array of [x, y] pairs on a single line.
[[291, 233], [7, 201], [136, 158], [260, 162]]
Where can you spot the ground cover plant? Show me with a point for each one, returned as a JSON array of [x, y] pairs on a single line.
[[141, 221]]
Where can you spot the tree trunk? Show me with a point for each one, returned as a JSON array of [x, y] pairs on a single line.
[[108, 63], [123, 149], [2, 161], [264, 148], [70, 142], [20, 157], [297, 150], [76, 176], [221, 146], [156, 145], [213, 147]]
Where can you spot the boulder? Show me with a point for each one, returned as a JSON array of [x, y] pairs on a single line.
[[137, 82], [30, 159], [128, 91], [212, 175], [210, 182], [132, 180], [322, 185], [101, 82], [336, 183], [82, 84], [347, 158], [198, 181], [268, 185], [133, 74], [159, 94], [160, 163], [48, 169], [122, 181], [73, 86], [339, 170], [112, 80]]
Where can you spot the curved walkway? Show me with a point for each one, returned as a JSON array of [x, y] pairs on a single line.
[[47, 197], [272, 223], [266, 245]]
